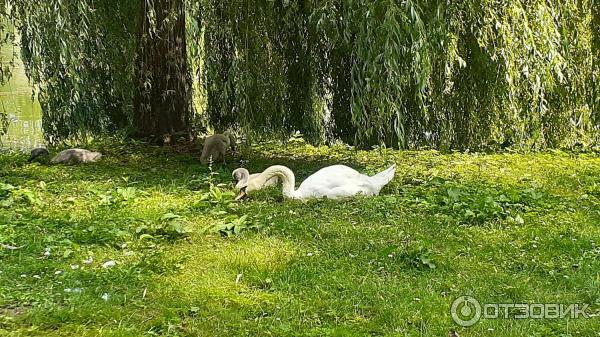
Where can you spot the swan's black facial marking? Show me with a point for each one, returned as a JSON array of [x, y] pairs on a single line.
[[242, 194]]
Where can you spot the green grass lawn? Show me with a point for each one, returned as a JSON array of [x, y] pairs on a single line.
[[503, 228]]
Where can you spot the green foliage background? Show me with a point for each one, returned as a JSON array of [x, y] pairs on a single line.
[[79, 57], [449, 75]]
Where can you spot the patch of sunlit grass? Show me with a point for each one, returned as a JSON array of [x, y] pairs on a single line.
[[502, 227]]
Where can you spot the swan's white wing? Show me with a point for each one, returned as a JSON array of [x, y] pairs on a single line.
[[349, 190], [382, 178], [337, 181], [331, 177]]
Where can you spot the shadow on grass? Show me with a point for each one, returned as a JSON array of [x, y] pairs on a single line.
[[161, 168]]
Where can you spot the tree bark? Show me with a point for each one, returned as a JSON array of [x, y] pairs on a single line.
[[162, 102], [341, 112]]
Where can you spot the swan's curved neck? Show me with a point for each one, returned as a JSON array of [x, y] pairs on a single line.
[[242, 182], [285, 174]]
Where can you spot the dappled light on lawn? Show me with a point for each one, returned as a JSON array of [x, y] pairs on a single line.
[[150, 240]]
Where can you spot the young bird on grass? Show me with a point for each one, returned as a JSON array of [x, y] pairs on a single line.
[[216, 146], [76, 156], [37, 153]]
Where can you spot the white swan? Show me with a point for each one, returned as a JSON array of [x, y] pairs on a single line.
[[334, 182], [244, 178]]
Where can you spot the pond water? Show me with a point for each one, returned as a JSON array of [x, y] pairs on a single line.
[[25, 114]]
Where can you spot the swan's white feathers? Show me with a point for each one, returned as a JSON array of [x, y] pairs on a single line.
[[245, 179], [384, 177], [340, 181]]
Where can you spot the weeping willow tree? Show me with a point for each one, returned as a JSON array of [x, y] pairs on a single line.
[[76, 54], [595, 76], [7, 60], [259, 73], [406, 73], [101, 66], [412, 73]]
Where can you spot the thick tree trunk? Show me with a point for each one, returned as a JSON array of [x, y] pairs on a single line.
[[162, 99], [341, 113]]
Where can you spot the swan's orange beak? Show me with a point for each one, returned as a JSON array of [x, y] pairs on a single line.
[[242, 194]]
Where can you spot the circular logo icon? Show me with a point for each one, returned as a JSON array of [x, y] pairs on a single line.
[[465, 311]]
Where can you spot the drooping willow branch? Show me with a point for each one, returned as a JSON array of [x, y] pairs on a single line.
[[449, 75], [466, 74], [78, 56]]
